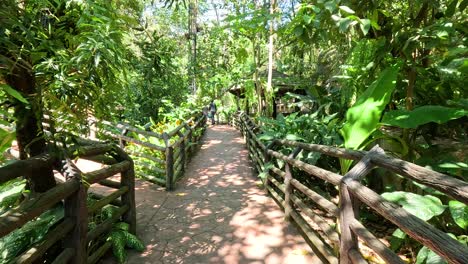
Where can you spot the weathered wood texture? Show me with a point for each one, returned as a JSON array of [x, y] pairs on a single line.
[[374, 243], [127, 180], [107, 200], [102, 174], [72, 231], [32, 208], [451, 186], [352, 192], [349, 210], [25, 168], [39, 249], [76, 210], [169, 164], [91, 150], [146, 156], [128, 127], [433, 238], [110, 184], [135, 141], [178, 145], [288, 208]]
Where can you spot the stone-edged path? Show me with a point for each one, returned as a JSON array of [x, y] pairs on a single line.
[[217, 214]]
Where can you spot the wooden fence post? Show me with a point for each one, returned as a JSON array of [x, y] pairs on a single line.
[[127, 178], [75, 210], [169, 163], [190, 148], [242, 124], [349, 205], [288, 187], [267, 159], [182, 150]]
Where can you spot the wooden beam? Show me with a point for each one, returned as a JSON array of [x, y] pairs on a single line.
[[431, 237], [375, 244], [32, 208], [40, 248], [349, 208], [102, 174], [107, 200], [25, 167]]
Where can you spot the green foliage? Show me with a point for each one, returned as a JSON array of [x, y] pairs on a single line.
[[10, 194], [312, 128], [118, 236], [118, 246], [427, 256], [12, 92], [121, 238], [422, 115], [362, 119], [32, 232], [424, 207], [459, 212]]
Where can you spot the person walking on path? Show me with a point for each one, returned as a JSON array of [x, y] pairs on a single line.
[[212, 109]]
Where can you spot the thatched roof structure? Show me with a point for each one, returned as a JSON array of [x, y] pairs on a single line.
[[282, 84]]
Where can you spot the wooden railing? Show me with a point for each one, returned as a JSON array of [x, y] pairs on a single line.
[[164, 155], [169, 150], [343, 247], [72, 231]]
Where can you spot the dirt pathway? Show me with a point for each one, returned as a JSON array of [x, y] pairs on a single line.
[[217, 214]]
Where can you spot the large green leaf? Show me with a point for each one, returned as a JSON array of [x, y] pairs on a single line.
[[459, 213], [424, 207], [362, 119], [13, 93], [6, 137], [427, 256], [422, 115], [365, 25]]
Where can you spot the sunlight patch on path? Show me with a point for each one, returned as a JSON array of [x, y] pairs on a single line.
[[217, 214]]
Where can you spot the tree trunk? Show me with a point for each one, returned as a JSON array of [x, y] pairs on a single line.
[[29, 131], [269, 89], [193, 10], [256, 77]]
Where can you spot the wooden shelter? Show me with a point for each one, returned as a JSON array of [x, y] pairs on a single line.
[[282, 84]]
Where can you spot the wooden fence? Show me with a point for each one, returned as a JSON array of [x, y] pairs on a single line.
[[343, 247], [72, 231], [165, 155], [169, 150]]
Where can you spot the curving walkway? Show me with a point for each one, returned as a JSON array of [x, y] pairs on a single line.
[[218, 213]]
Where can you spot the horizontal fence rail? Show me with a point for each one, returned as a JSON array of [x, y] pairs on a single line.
[[341, 245], [164, 155], [71, 232], [159, 157]]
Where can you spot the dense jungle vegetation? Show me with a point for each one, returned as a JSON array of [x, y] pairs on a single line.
[[335, 72]]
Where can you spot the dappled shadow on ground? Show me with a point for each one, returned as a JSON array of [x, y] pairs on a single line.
[[218, 213]]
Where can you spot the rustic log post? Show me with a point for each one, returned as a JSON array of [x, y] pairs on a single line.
[[75, 209], [245, 133], [242, 124], [182, 150], [190, 148], [267, 159], [169, 163], [127, 178], [349, 205], [288, 187]]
